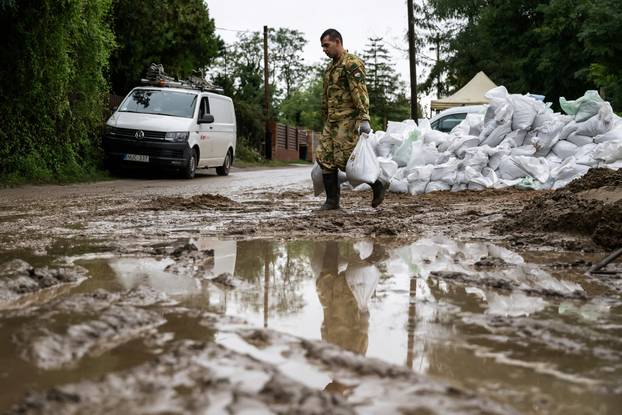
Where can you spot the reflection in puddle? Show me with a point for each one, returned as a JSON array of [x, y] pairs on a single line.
[[473, 314]]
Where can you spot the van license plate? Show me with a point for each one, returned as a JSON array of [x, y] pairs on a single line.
[[136, 157]]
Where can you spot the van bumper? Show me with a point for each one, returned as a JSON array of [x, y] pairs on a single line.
[[159, 153]]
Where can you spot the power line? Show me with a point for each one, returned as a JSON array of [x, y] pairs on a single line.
[[236, 30]]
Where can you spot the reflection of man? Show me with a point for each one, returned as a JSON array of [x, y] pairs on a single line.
[[344, 324]]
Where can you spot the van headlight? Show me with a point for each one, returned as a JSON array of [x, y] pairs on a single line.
[[178, 136]]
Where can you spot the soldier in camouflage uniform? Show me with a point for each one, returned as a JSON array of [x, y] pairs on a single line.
[[345, 107]]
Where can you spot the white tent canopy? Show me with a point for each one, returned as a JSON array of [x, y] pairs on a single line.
[[470, 94]]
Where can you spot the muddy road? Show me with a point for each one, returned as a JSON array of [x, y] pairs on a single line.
[[226, 295]]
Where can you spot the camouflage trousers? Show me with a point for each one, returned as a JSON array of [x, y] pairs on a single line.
[[337, 141]]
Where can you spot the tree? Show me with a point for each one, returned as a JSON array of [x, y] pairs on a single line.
[[286, 47], [383, 84], [53, 88], [555, 47], [176, 33]]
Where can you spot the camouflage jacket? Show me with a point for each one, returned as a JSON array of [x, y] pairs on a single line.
[[345, 93]]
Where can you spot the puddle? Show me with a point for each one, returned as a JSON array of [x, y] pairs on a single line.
[[527, 330]]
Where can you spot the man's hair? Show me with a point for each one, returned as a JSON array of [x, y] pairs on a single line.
[[332, 35]]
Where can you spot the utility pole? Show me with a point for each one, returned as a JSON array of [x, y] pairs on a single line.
[[438, 59], [413, 60], [266, 96]]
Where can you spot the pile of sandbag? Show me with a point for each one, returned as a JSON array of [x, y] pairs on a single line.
[[519, 141]]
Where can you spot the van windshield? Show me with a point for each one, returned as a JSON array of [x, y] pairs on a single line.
[[161, 102]]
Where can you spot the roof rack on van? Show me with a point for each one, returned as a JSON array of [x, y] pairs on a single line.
[[157, 77]]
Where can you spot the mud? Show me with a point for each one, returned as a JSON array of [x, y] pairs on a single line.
[[225, 295], [20, 282], [591, 206]]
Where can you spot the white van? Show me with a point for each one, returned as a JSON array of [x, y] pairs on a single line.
[[177, 128]]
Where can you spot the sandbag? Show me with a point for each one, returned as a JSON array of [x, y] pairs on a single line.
[[398, 185], [567, 172], [420, 174], [524, 111], [402, 154], [435, 137], [611, 135], [318, 180], [437, 186], [609, 152], [417, 187], [536, 167], [528, 150], [585, 155], [422, 154], [583, 108], [362, 166], [388, 169], [564, 149], [579, 140], [498, 134]]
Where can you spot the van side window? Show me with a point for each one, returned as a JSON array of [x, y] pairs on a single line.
[[204, 107], [446, 124]]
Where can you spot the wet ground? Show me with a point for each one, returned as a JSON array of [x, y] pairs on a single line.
[[226, 295]]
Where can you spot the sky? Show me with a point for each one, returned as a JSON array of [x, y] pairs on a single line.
[[356, 20]]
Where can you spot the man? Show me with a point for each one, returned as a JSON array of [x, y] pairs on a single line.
[[345, 107]]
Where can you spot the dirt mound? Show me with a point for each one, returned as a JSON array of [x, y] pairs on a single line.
[[204, 201], [596, 178], [575, 209]]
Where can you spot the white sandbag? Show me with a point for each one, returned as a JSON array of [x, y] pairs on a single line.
[[422, 154], [388, 169], [579, 140], [435, 137], [362, 281], [420, 174], [417, 187], [542, 118], [614, 166], [585, 155], [564, 149], [509, 170], [458, 187], [525, 111], [497, 135], [536, 167], [475, 158], [609, 152], [461, 143], [528, 150], [437, 186], [598, 124], [317, 179], [611, 135], [518, 136], [384, 149], [398, 185], [445, 172], [568, 129], [546, 137], [553, 158], [497, 156], [487, 178], [567, 172], [363, 165]]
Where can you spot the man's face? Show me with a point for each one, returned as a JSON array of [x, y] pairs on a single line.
[[330, 47]]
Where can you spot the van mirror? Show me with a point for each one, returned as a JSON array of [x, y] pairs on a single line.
[[206, 119]]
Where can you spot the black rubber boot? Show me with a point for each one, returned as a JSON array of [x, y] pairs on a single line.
[[331, 187], [379, 189]]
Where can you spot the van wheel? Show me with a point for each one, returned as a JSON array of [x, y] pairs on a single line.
[[190, 168], [226, 165]]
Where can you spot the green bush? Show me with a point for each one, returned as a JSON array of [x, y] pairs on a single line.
[[53, 88], [245, 152]]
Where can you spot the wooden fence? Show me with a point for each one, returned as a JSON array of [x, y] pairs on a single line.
[[292, 143]]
